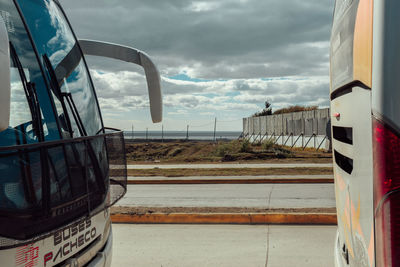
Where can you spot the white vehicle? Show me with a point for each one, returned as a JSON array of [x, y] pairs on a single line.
[[365, 93], [60, 168]]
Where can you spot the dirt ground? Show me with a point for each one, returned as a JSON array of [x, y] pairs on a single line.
[[228, 172], [222, 151]]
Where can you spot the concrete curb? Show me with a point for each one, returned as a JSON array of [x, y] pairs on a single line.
[[234, 181], [227, 218]]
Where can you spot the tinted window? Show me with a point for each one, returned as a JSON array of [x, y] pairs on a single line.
[[343, 134], [344, 162]]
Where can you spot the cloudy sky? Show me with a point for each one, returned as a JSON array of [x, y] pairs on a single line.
[[219, 59]]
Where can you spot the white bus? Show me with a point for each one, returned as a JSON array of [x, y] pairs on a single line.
[[365, 93], [60, 168]]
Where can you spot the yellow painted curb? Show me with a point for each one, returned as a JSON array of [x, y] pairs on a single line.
[[234, 181], [227, 218]]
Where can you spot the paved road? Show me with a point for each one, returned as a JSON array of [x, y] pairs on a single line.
[[222, 245], [231, 195], [261, 177], [230, 165]]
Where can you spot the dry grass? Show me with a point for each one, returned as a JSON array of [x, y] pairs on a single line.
[[228, 172], [224, 151], [171, 151]]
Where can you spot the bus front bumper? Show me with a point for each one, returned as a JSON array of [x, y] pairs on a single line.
[[104, 256]]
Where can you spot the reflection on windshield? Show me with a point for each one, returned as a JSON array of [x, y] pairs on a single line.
[[19, 109], [55, 39]]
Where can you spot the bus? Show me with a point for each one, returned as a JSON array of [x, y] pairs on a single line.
[[365, 115], [61, 169]]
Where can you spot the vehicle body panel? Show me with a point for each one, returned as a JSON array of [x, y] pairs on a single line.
[[351, 120], [354, 190]]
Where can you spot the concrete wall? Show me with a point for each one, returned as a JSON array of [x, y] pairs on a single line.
[[312, 124]]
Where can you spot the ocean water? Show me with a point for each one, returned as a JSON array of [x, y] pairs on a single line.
[[179, 135]]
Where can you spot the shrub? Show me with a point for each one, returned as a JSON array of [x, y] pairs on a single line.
[[232, 147], [281, 152], [296, 108], [245, 146], [265, 112], [223, 149], [268, 144]]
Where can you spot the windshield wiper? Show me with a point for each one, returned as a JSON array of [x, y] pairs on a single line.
[[30, 93], [64, 98]]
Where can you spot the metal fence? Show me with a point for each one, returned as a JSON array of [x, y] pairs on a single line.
[[300, 129]]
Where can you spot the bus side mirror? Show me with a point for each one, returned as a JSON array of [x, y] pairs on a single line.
[[132, 55], [5, 86]]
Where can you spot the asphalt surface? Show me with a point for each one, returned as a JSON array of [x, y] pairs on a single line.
[[231, 195], [230, 165], [222, 245]]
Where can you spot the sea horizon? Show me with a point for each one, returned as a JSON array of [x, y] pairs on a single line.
[[179, 135]]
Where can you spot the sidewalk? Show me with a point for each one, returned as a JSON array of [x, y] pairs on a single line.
[[223, 245]]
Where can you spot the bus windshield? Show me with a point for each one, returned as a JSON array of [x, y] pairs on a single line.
[[55, 41]]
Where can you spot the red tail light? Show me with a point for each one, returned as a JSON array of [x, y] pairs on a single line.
[[386, 150]]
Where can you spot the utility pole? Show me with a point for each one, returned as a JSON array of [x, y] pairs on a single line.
[[215, 127], [187, 132], [147, 132], [133, 135], [162, 133]]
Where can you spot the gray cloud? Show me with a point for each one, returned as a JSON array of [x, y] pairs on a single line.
[[127, 89], [219, 40]]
